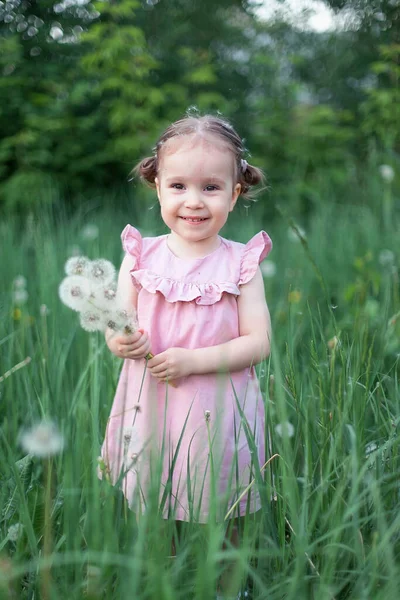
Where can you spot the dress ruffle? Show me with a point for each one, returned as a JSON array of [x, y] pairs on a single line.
[[254, 253], [132, 242], [175, 290]]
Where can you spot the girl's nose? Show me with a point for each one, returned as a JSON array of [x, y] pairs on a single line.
[[194, 200]]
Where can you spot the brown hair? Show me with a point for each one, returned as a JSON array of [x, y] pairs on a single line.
[[246, 174]]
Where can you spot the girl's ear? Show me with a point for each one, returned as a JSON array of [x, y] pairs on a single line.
[[235, 195], [156, 181]]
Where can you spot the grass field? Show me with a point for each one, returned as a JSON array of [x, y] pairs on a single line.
[[330, 525]]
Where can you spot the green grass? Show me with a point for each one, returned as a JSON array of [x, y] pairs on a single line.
[[330, 523]]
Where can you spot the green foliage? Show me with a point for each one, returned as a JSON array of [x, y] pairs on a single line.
[[381, 108]]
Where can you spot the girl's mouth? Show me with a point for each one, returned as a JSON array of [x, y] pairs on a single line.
[[194, 219]]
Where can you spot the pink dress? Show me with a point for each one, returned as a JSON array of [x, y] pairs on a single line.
[[191, 437]]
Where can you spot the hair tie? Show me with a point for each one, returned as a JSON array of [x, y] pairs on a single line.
[[244, 165]]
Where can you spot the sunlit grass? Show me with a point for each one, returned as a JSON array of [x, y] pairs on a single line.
[[329, 525]]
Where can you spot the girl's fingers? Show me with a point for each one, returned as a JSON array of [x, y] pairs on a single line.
[[158, 369]]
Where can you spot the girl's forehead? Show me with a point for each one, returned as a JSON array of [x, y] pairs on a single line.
[[198, 140]]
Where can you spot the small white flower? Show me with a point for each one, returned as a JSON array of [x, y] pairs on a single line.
[[44, 311], [386, 257], [101, 271], [43, 439], [77, 265], [268, 268], [90, 232], [75, 291], [14, 532], [292, 235], [19, 282], [207, 415], [387, 173], [20, 296], [285, 429], [93, 320]]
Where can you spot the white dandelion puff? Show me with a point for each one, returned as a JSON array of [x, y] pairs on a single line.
[[20, 296], [207, 415], [90, 232], [387, 173], [101, 271], [75, 292], [122, 320], [15, 532], [93, 320], [285, 429], [268, 268], [386, 258], [44, 310], [19, 282], [42, 440], [104, 296], [77, 265]]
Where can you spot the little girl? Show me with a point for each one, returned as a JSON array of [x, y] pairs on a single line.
[[202, 313]]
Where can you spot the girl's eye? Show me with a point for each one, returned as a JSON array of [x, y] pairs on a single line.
[[211, 188], [177, 186]]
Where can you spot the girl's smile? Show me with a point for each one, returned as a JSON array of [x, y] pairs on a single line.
[[197, 190]]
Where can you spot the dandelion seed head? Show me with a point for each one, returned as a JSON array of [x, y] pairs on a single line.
[[268, 268], [19, 282], [74, 292], [43, 439], [90, 232], [101, 271], [386, 258], [387, 173], [92, 320], [207, 415], [285, 429], [77, 265], [15, 532], [44, 310], [20, 296]]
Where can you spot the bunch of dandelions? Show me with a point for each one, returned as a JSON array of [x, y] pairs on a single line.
[[90, 289]]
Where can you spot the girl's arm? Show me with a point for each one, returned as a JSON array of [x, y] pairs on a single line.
[[250, 348], [137, 345], [253, 343]]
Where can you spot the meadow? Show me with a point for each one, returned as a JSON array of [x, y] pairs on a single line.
[[330, 522]]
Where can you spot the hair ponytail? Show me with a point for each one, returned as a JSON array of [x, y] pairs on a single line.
[[146, 169], [248, 177]]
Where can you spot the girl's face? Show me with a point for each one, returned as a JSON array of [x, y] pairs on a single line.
[[197, 190]]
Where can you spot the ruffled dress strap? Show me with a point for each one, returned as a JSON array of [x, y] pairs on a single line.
[[254, 253], [132, 243]]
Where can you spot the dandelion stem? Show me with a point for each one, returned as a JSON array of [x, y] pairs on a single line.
[[23, 363], [232, 508]]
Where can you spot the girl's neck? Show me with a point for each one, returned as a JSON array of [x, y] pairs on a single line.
[[184, 249]]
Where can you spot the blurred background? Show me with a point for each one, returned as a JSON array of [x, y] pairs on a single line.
[[87, 87]]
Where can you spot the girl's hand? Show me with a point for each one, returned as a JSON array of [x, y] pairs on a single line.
[[134, 346], [171, 364]]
